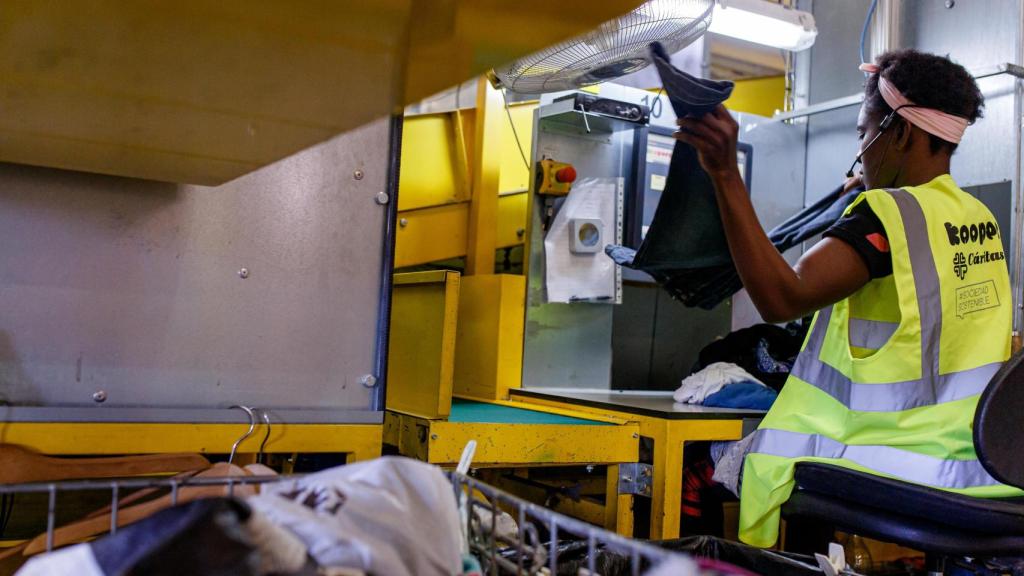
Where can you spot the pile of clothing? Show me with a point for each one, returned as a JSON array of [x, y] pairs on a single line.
[[746, 369]]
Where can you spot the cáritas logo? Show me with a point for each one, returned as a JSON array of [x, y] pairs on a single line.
[[960, 265]]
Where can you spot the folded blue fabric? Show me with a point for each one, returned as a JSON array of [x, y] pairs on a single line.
[[748, 395]]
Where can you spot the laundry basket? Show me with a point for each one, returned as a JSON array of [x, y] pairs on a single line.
[[540, 541]]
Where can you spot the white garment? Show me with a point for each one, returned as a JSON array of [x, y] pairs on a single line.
[[392, 516], [696, 387], [728, 458], [281, 552], [78, 560]]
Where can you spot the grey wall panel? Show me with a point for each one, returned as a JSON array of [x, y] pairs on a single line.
[[831, 146], [656, 339], [836, 53], [632, 336], [776, 187], [832, 138], [133, 287], [680, 333], [976, 34]]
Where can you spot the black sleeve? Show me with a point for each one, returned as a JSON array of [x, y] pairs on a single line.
[[863, 231]]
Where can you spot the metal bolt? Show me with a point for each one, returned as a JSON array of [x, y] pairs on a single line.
[[950, 3], [382, 198], [358, 174], [403, 222], [99, 396], [433, 436], [521, 232], [368, 380], [243, 273], [590, 468], [635, 435]]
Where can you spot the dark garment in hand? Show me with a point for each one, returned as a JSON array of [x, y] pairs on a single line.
[[705, 282], [681, 234]]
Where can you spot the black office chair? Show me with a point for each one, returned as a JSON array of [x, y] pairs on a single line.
[[942, 524]]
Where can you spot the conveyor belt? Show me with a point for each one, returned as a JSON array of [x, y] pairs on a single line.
[[469, 411]]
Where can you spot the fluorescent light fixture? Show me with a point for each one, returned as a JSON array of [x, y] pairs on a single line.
[[764, 22]]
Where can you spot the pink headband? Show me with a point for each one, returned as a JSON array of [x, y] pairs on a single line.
[[949, 127]]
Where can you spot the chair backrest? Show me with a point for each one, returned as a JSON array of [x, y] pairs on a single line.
[[999, 424]]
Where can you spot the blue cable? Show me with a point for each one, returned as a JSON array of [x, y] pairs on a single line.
[[864, 30]]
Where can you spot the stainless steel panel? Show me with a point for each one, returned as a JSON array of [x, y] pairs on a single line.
[[264, 291], [776, 187], [570, 344]]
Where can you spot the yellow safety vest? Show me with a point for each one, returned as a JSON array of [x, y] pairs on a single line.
[[888, 380]]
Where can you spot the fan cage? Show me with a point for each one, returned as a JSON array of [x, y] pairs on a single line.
[[614, 49]]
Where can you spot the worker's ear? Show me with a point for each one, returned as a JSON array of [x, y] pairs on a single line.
[[901, 135]]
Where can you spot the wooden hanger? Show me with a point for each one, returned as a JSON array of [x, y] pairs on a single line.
[[82, 530], [19, 464]]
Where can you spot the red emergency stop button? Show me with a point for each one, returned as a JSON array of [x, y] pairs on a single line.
[[566, 175]]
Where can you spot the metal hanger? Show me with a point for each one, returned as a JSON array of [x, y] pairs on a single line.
[[252, 426], [263, 444]]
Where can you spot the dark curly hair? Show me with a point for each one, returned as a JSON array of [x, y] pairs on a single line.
[[927, 80]]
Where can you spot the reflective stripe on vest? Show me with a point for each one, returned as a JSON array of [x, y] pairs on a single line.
[[883, 397], [872, 334], [932, 388], [904, 464]]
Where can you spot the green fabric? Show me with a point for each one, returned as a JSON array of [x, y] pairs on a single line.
[[967, 341], [482, 412]]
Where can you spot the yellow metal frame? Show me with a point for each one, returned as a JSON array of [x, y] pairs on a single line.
[[486, 170], [670, 438], [359, 441], [435, 233], [489, 347], [502, 445], [421, 350], [584, 508], [529, 445]]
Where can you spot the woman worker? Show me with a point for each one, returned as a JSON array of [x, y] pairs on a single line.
[[911, 292]]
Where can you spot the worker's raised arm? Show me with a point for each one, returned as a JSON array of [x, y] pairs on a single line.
[[827, 273]]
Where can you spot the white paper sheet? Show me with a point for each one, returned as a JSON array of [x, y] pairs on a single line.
[[574, 277]]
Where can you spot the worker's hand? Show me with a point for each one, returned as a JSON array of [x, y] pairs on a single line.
[[851, 183], [714, 137]]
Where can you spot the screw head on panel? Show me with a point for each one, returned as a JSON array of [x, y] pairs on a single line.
[[243, 273], [403, 222], [382, 198], [368, 380], [950, 3], [99, 396], [358, 174]]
